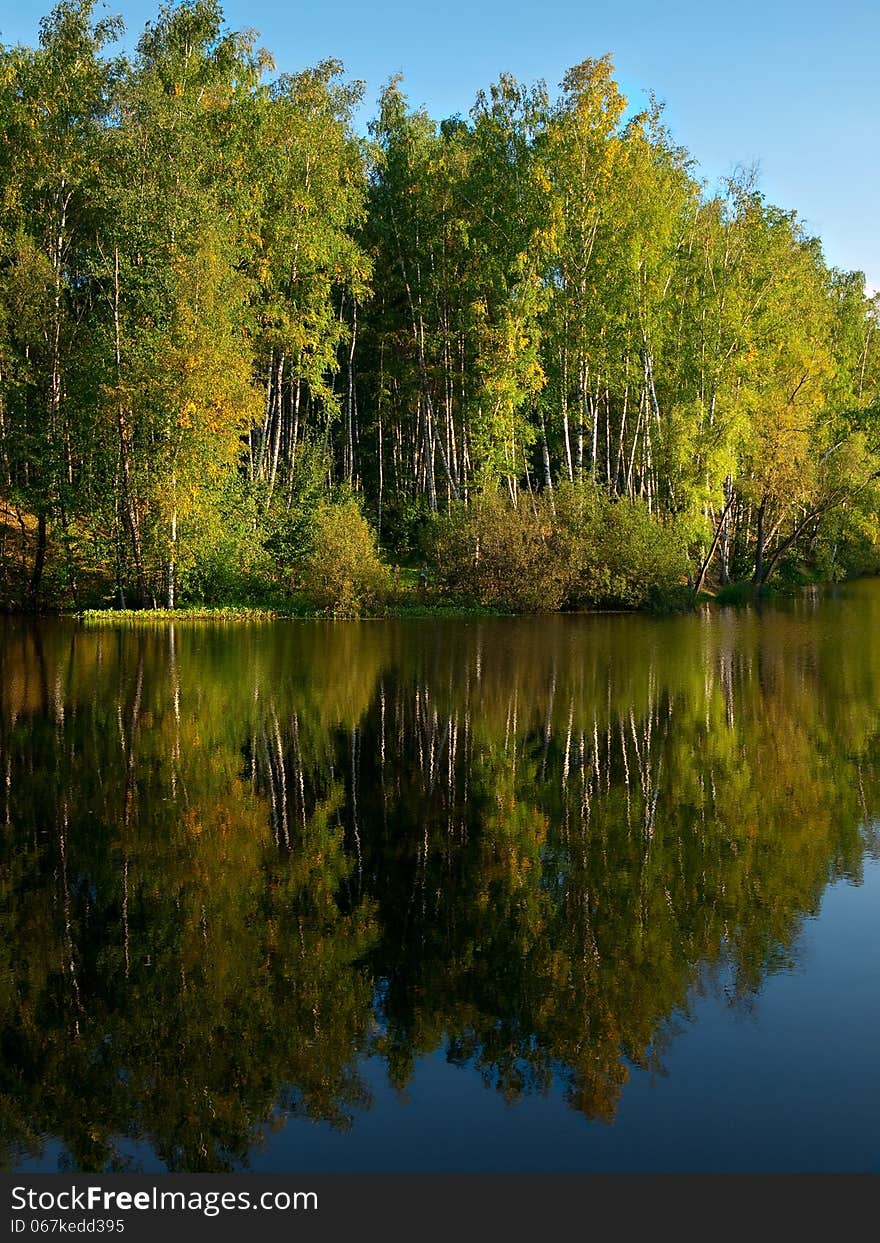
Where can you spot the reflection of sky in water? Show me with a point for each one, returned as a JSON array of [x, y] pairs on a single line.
[[792, 1084]]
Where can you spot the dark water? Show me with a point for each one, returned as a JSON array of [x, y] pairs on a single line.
[[565, 893]]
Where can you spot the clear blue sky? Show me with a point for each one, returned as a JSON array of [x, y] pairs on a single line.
[[787, 84]]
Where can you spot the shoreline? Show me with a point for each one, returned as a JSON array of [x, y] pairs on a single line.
[[734, 596]]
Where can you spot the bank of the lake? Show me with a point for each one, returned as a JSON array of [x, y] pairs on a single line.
[[415, 604]]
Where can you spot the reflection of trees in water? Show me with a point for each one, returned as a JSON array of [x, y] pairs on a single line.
[[235, 860], [167, 970]]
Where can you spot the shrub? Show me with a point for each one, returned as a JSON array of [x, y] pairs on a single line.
[[342, 572], [504, 557], [289, 524], [582, 519], [580, 549], [646, 558], [224, 561], [618, 553]]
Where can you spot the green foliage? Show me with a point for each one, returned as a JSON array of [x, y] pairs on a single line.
[[342, 572], [582, 550], [848, 541], [406, 526], [509, 559], [218, 304], [620, 554], [288, 523]]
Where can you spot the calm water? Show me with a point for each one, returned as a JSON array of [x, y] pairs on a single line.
[[561, 893]]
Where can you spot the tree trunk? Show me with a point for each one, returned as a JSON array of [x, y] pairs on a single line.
[[39, 561], [172, 555], [722, 521], [758, 576]]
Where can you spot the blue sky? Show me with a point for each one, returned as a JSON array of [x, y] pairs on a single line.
[[788, 85]]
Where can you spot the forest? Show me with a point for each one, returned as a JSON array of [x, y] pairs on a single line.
[[520, 359]]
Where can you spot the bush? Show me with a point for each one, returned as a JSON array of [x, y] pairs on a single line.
[[509, 559], [618, 553], [583, 549], [224, 561], [289, 524], [342, 572]]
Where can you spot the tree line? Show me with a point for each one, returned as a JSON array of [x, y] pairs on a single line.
[[230, 323]]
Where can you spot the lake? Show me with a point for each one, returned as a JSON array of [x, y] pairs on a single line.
[[562, 893]]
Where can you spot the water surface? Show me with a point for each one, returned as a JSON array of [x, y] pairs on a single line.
[[557, 893]]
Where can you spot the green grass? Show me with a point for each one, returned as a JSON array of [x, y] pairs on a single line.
[[193, 613]]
